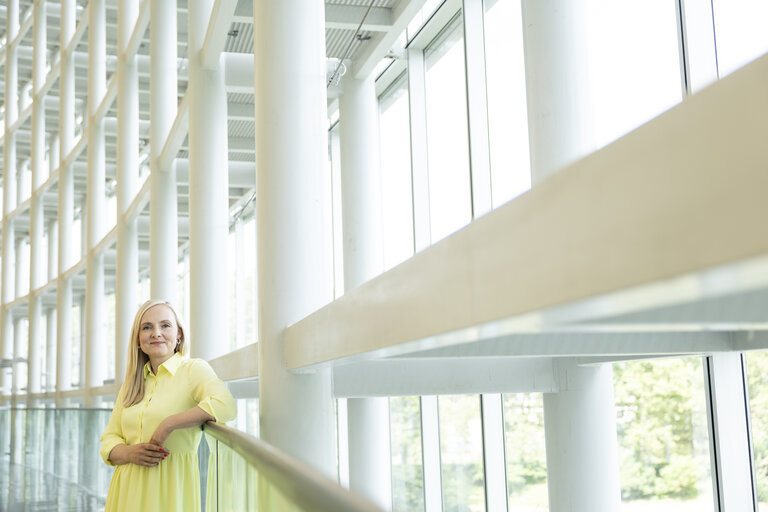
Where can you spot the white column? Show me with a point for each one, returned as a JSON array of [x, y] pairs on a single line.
[[555, 63], [163, 234], [127, 272], [582, 447], [50, 344], [368, 418], [19, 333], [53, 247], [728, 404], [95, 362], [36, 220], [21, 266], [294, 249], [9, 180], [208, 195], [66, 200]]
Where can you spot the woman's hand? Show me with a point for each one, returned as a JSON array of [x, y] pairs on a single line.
[[144, 454]]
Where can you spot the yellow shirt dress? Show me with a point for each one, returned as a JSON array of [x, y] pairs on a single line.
[[174, 484]]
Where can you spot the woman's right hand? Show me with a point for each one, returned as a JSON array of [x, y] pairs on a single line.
[[146, 454]]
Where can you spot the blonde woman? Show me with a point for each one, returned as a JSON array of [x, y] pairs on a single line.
[[150, 435]]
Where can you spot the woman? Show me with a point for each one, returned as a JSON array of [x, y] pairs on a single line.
[[150, 436]]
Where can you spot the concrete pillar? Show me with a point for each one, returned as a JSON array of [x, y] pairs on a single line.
[[582, 447], [294, 250], [163, 237], [127, 272], [66, 200], [208, 195], [95, 361], [36, 220], [554, 34], [368, 418]]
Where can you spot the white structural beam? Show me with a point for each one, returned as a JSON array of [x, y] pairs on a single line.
[[293, 242], [163, 86], [367, 418], [95, 361], [9, 188], [580, 434], [175, 137], [64, 300], [35, 311], [344, 17], [217, 32], [127, 271], [444, 376], [474, 277], [208, 194]]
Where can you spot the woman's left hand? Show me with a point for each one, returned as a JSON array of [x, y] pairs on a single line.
[[161, 434]]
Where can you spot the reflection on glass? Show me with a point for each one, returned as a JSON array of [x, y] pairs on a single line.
[[407, 476], [461, 453], [757, 375], [661, 419], [740, 32], [396, 200], [525, 452], [52, 456], [447, 133]]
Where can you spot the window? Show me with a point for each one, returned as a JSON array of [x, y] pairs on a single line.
[[447, 132], [631, 77], [525, 452], [740, 32], [507, 108], [757, 380], [396, 201], [663, 437], [407, 467], [461, 453]]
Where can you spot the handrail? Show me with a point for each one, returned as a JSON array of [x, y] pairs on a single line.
[[304, 485]]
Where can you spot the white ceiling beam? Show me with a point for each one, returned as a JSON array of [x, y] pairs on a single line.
[[216, 35], [348, 17]]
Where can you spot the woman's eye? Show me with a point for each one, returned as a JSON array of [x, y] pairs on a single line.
[[166, 326], [146, 327]]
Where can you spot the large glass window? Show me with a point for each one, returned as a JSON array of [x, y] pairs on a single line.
[[633, 76], [740, 30], [407, 467], [757, 378], [461, 453], [507, 108], [396, 187], [447, 134], [525, 452], [664, 458]]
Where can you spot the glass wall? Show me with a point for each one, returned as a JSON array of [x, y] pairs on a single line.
[[664, 456], [525, 452], [757, 385], [461, 453], [740, 32], [407, 465], [450, 198]]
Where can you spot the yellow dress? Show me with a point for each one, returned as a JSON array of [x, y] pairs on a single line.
[[174, 484]]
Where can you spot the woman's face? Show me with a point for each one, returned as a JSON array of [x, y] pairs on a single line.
[[158, 334]]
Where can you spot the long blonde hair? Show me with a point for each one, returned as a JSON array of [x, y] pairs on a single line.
[[133, 385]]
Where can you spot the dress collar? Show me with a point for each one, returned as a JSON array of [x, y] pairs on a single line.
[[171, 365]]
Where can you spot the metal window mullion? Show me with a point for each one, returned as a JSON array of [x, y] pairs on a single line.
[[430, 449], [727, 406], [696, 44], [491, 407], [477, 107], [417, 98]]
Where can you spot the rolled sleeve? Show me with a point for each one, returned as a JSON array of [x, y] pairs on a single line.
[[211, 393], [113, 434]]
